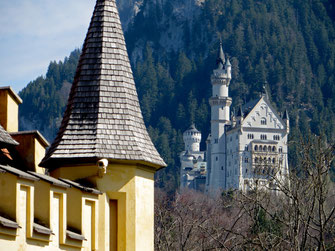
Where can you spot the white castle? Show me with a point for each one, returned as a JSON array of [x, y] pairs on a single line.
[[244, 150]]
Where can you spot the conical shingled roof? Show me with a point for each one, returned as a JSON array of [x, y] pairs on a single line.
[[103, 117]]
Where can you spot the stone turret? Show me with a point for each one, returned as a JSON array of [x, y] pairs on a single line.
[[192, 139]]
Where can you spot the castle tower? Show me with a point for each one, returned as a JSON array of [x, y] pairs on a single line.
[[220, 117], [103, 141], [192, 161], [192, 138]]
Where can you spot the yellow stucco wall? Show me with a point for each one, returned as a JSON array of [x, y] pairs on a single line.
[[9, 111], [132, 186], [144, 188], [8, 195], [25, 201]]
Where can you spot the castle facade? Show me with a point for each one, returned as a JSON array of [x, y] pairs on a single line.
[[244, 150]]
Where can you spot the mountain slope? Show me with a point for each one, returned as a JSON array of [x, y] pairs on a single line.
[[287, 45]]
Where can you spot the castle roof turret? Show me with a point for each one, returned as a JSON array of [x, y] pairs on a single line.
[[220, 60], [103, 117], [240, 112], [228, 62], [192, 129]]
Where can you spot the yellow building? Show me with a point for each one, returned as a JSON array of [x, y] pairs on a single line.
[[94, 188]]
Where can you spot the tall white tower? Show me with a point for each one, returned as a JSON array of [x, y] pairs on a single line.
[[220, 116]]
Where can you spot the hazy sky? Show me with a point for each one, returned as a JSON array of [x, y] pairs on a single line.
[[35, 32]]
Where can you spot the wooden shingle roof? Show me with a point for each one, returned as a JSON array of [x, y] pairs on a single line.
[[103, 117], [5, 137]]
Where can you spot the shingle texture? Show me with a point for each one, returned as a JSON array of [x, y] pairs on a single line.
[[6, 138], [103, 117]]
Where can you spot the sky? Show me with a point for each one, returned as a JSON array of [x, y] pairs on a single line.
[[35, 32]]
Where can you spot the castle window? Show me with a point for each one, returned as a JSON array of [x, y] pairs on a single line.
[[221, 167], [263, 136], [216, 158], [250, 136], [216, 141], [263, 121], [265, 148], [269, 148], [276, 137], [273, 149], [256, 160], [280, 149], [246, 170], [246, 148], [273, 160], [256, 148], [260, 148], [246, 160]]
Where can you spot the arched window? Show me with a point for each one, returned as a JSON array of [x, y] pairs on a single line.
[[269, 148], [273, 149], [260, 148], [273, 160], [256, 148], [265, 149], [263, 121], [269, 160]]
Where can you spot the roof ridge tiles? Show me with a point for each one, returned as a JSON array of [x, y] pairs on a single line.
[[103, 101]]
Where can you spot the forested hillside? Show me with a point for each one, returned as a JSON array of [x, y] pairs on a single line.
[[287, 45]]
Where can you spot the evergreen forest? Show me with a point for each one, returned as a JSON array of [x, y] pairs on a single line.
[[287, 45]]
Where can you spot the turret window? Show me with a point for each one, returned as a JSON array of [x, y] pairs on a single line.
[[263, 137], [276, 137], [250, 136]]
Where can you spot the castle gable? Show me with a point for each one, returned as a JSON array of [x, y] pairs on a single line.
[[263, 115]]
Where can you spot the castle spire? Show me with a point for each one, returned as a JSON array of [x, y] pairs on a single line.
[[220, 60], [103, 117], [285, 116]]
